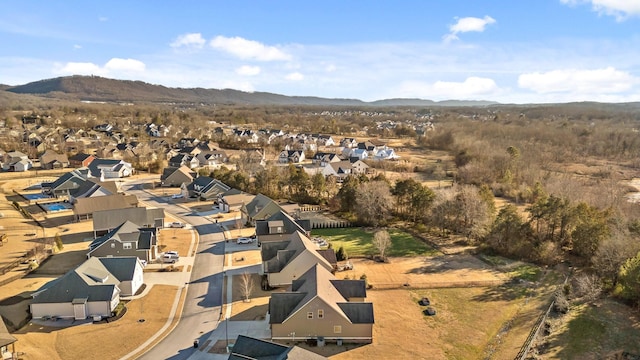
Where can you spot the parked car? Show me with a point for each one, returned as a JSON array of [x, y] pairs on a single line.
[[244, 240], [172, 253], [424, 301], [176, 224], [177, 196], [169, 259]]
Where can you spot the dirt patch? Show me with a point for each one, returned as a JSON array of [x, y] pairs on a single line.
[[446, 270], [243, 258]]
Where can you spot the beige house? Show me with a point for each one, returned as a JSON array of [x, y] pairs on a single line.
[[128, 239], [84, 208], [318, 306]]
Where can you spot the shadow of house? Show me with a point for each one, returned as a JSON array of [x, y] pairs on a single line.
[[248, 348]]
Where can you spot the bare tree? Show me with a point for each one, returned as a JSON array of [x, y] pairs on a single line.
[[382, 242], [246, 285], [588, 286], [374, 202]]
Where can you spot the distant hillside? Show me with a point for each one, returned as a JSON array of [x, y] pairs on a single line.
[[93, 88]]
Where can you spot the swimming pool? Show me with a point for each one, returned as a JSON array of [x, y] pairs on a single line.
[[53, 207], [35, 196]]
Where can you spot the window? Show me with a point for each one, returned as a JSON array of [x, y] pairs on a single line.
[[279, 230], [310, 315], [113, 246], [320, 314], [127, 246], [337, 329]]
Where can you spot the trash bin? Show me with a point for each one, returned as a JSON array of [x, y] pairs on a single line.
[[339, 342], [195, 344]]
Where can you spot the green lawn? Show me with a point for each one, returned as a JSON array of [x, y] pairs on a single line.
[[358, 242]]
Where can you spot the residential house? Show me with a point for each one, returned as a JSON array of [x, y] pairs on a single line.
[[385, 154], [286, 260], [6, 341], [179, 160], [361, 154], [127, 239], [279, 226], [110, 169], [81, 160], [325, 140], [349, 143], [319, 306], [358, 166], [176, 176], [83, 208], [52, 160], [248, 348], [76, 184], [16, 161], [93, 289], [291, 156], [340, 170], [322, 158], [260, 208], [205, 187], [106, 220], [233, 200]]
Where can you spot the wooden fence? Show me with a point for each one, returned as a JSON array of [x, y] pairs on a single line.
[[436, 284], [330, 224]]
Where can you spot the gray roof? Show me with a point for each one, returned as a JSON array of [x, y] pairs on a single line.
[[319, 282], [90, 280], [123, 267], [89, 205], [259, 203], [288, 223], [141, 216], [248, 348], [122, 232]]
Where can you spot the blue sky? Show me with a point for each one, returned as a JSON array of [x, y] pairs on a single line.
[[525, 51]]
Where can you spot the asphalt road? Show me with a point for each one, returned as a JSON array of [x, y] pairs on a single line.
[[204, 292]]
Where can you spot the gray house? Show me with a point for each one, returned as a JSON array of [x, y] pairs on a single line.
[[106, 220], [128, 239], [93, 289]]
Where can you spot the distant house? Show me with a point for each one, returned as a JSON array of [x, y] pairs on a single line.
[[93, 289], [176, 176], [248, 348], [340, 170], [52, 160], [361, 154], [110, 169], [179, 160], [319, 306], [83, 208], [326, 140], [16, 161], [349, 143], [76, 184], [322, 158], [128, 239], [286, 260], [385, 154], [291, 156], [205, 187], [358, 166], [106, 220]]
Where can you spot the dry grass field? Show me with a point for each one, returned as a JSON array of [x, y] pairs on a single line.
[[82, 341]]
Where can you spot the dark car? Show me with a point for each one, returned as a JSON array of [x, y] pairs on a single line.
[[424, 301], [429, 311]]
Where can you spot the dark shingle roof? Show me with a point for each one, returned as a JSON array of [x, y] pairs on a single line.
[[281, 306], [351, 288], [122, 268], [358, 312]]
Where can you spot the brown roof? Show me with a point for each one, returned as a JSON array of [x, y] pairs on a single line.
[[90, 205]]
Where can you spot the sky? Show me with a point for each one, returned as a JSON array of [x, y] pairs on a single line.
[[524, 51]]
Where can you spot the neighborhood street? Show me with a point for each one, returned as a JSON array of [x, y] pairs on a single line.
[[201, 310]]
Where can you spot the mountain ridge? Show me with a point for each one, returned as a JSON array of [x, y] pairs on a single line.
[[95, 88]]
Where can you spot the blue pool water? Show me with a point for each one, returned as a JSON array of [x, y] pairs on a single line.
[[56, 207], [35, 196]]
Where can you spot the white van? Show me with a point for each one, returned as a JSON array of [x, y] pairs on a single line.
[[170, 258]]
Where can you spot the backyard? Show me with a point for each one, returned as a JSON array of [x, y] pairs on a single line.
[[358, 242]]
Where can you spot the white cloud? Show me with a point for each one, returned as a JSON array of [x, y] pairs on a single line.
[[193, 40], [76, 46], [248, 70], [471, 88], [80, 68], [118, 64], [103, 19], [330, 68], [248, 49], [621, 9], [468, 24], [597, 81], [295, 76], [113, 67]]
